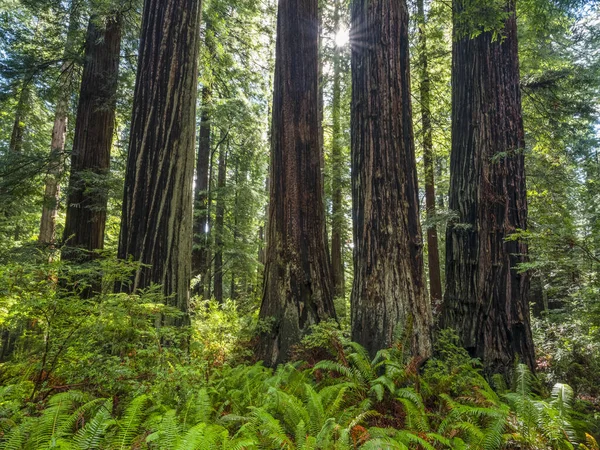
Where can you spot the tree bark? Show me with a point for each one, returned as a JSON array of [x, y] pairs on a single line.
[[220, 223], [94, 128], [156, 227], [389, 289], [433, 255], [298, 289], [16, 137], [486, 297], [337, 162], [59, 136], [200, 258]]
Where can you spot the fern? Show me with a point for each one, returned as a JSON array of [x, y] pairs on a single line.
[[130, 423], [90, 436]]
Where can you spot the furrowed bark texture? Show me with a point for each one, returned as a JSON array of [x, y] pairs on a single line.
[[156, 225], [486, 297], [94, 127], [337, 162], [389, 284], [298, 289], [433, 255], [200, 252]]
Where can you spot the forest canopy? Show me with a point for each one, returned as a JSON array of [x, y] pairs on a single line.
[[299, 224]]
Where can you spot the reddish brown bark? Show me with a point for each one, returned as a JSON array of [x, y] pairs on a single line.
[[297, 283], [156, 227], [94, 128], [486, 296], [389, 289]]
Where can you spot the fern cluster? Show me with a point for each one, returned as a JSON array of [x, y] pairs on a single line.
[[349, 402]]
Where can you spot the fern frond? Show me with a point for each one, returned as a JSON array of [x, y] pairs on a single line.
[[90, 436], [271, 429], [129, 424]]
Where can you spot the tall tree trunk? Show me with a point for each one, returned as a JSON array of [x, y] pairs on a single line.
[[337, 166], [321, 108], [200, 258], [15, 147], [16, 137], [156, 227], [298, 289], [389, 283], [236, 233], [59, 136], [433, 254], [94, 127], [220, 223], [486, 296], [209, 224]]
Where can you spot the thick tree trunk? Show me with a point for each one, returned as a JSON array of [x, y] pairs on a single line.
[[298, 289], [389, 289], [433, 255], [200, 252], [337, 163], [486, 297], [220, 223], [59, 136], [94, 127], [156, 227]]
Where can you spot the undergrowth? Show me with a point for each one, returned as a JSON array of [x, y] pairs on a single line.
[[99, 374]]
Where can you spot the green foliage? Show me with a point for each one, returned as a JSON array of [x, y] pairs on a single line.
[[346, 402]]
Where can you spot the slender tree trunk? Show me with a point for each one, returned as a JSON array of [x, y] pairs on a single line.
[[298, 289], [337, 165], [200, 257], [236, 233], [209, 226], [16, 137], [59, 136], [486, 297], [433, 254], [15, 147], [156, 227], [220, 223], [389, 283], [321, 109], [94, 128]]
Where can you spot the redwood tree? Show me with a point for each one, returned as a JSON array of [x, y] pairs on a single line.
[[220, 222], [486, 295], [433, 255], [94, 127], [337, 167], [298, 289], [200, 259], [59, 134], [156, 227], [389, 284]]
